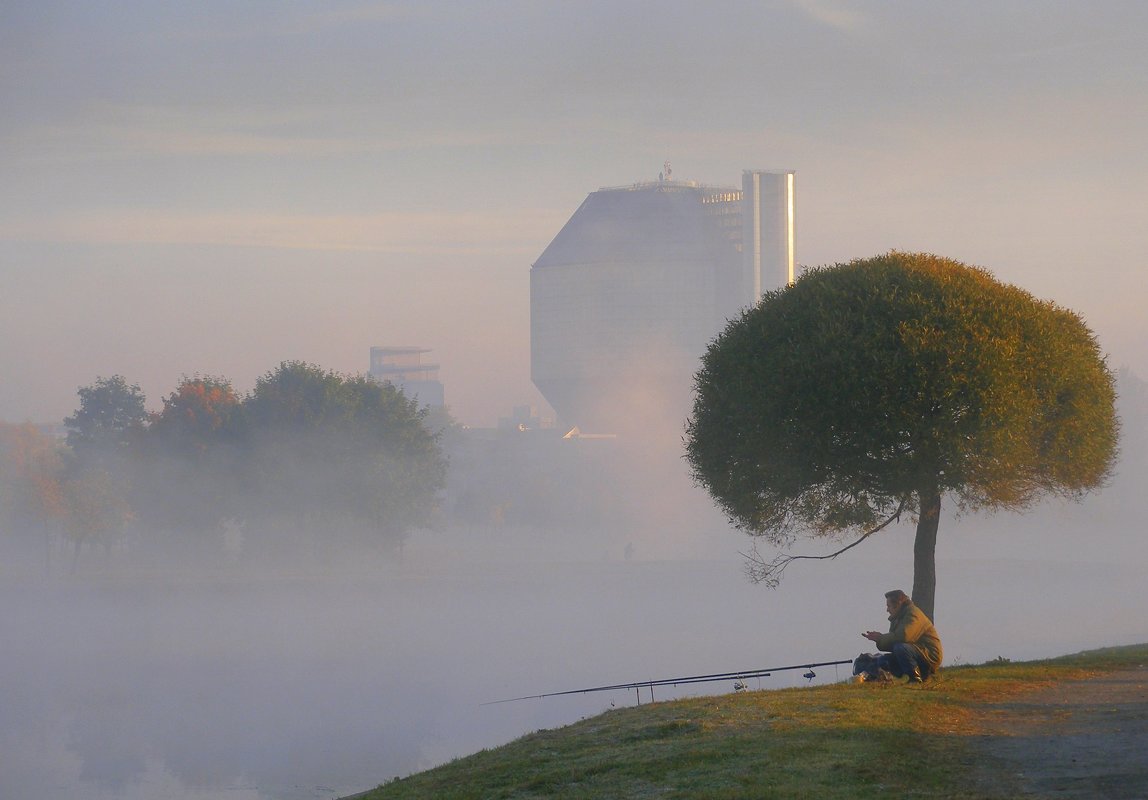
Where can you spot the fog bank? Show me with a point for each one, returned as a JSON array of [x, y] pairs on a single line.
[[287, 687]]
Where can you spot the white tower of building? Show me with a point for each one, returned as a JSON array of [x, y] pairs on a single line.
[[767, 230]]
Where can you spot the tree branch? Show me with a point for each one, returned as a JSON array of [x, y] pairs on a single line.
[[760, 571]]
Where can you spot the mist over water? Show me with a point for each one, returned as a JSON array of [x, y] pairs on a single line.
[[144, 674], [250, 686]]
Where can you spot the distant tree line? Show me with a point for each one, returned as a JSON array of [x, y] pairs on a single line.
[[310, 458]]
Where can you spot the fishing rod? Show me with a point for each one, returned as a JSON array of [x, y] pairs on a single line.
[[717, 676]]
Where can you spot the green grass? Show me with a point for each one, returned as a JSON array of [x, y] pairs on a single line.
[[828, 742]]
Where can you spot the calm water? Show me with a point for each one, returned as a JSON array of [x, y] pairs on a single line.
[[277, 687]]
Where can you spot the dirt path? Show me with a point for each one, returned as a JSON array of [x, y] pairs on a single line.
[[1078, 739]]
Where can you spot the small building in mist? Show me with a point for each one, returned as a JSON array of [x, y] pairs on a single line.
[[404, 368], [625, 299]]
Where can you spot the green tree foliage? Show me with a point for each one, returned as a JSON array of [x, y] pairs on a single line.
[[103, 436], [880, 386], [323, 446], [110, 417]]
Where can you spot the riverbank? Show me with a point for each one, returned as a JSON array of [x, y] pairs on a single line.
[[1075, 726]]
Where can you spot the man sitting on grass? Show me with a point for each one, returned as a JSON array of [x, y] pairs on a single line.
[[911, 647]]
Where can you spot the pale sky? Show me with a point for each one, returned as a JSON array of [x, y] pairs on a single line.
[[215, 187]]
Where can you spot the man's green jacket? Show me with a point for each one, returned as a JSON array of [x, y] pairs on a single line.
[[909, 624]]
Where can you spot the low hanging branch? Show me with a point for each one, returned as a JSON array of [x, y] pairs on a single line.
[[769, 572]]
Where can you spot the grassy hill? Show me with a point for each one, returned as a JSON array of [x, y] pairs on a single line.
[[839, 741]]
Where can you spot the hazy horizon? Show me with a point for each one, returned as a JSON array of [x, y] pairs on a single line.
[[214, 189]]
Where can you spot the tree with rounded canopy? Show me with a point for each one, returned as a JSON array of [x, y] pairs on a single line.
[[195, 416], [96, 481], [319, 442], [110, 417], [878, 387]]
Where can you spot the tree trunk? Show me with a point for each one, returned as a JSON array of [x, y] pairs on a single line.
[[925, 551]]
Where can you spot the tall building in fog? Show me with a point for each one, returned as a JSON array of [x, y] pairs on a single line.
[[626, 297]]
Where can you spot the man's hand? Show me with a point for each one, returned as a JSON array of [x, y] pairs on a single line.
[[872, 636]]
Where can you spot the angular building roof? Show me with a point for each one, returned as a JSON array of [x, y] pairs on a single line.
[[647, 222], [629, 292]]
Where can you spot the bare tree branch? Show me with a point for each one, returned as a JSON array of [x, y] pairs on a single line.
[[769, 572]]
